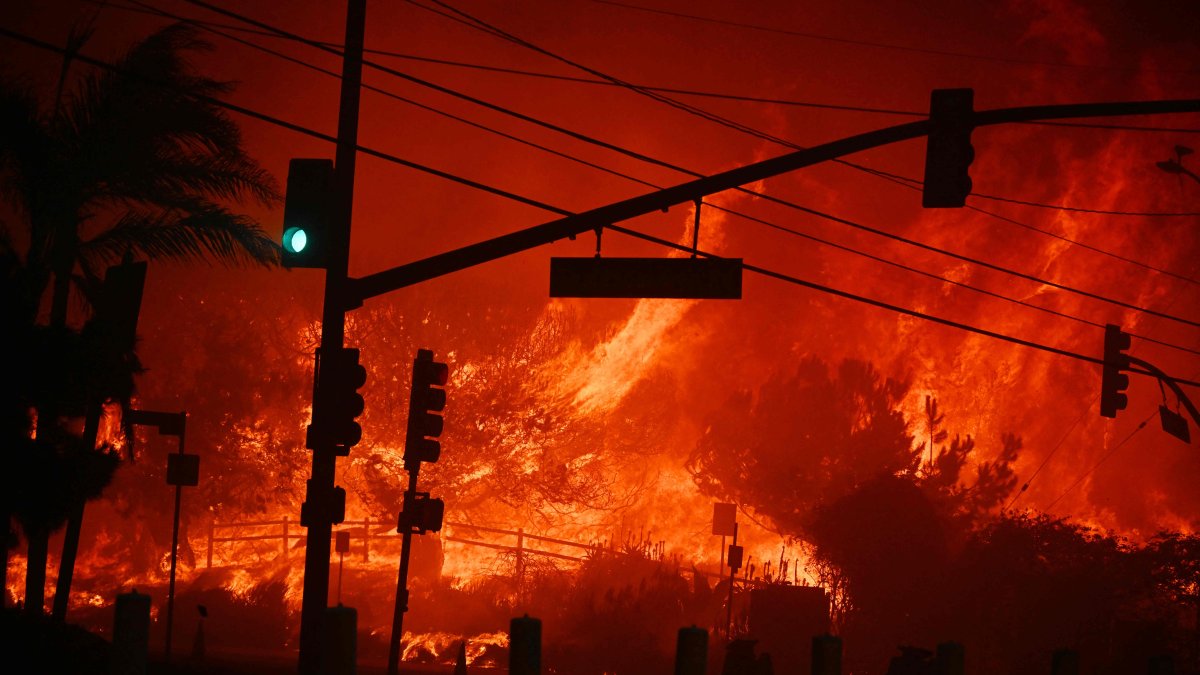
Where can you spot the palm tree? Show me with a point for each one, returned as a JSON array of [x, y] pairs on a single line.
[[132, 162]]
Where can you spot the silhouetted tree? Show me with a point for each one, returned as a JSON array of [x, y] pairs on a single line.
[[805, 438], [131, 161]]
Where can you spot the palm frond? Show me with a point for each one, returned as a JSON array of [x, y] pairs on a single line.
[[212, 232]]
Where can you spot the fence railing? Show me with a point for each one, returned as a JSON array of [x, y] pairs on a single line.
[[288, 530]]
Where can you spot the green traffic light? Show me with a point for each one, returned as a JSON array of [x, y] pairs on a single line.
[[295, 239]]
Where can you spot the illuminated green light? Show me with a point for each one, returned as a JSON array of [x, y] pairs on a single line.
[[295, 239]]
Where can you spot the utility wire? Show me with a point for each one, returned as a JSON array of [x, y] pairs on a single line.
[[1066, 434], [885, 305], [500, 33], [291, 126], [665, 90], [1076, 242], [144, 9], [759, 270], [1025, 486], [880, 45], [491, 106], [737, 126], [1103, 459], [629, 177]]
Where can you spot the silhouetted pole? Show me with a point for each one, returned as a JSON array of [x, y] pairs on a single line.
[[525, 646], [174, 553], [131, 634], [732, 574], [402, 582], [333, 329], [691, 651], [342, 544], [460, 663], [826, 655]]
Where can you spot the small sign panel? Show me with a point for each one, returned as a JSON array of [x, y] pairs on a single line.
[[1173, 423], [699, 278], [183, 469], [735, 557], [341, 542], [724, 519]]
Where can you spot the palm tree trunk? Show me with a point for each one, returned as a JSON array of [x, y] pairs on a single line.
[[35, 572], [66, 568], [8, 532]]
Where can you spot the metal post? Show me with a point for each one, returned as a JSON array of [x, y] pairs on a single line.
[[732, 573], [341, 564], [367, 539], [402, 582], [333, 328], [826, 655], [174, 558], [520, 560]]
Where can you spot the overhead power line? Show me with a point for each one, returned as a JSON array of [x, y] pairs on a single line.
[[1103, 459], [879, 45], [500, 33], [885, 305], [759, 270], [605, 83], [480, 24], [291, 126], [629, 177], [903, 180]]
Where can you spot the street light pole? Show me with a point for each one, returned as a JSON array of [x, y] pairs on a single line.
[[320, 493]]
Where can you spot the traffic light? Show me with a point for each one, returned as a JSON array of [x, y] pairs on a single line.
[[421, 513], [337, 401], [331, 509], [1113, 382], [948, 152], [427, 399], [308, 213]]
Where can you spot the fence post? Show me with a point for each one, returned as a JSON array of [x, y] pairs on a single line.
[[826, 655], [211, 525], [285, 537], [367, 539], [691, 651], [525, 646], [520, 560]]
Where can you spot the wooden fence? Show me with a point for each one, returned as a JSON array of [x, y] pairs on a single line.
[[287, 530]]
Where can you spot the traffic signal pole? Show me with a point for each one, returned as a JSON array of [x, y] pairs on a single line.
[[572, 224], [402, 583], [320, 493]]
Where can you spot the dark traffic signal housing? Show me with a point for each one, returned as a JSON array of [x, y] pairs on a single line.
[[427, 400], [1112, 381], [948, 152], [330, 507], [308, 213], [421, 513], [338, 403]]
